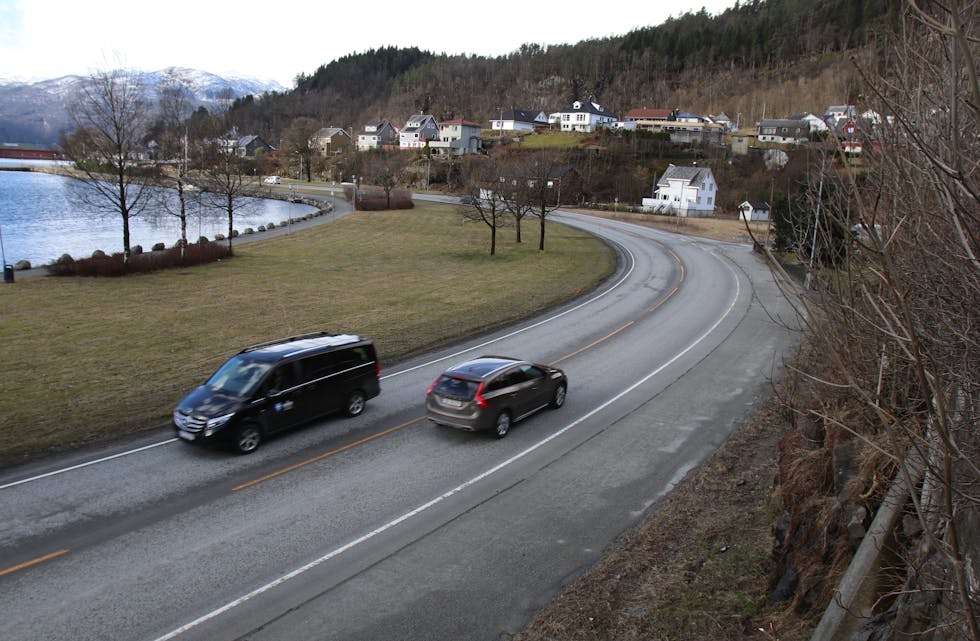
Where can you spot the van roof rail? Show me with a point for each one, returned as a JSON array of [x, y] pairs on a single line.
[[290, 339]]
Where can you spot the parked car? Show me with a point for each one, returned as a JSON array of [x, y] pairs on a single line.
[[272, 180], [277, 385], [493, 392]]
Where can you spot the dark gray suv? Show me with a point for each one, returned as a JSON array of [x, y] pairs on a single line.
[[277, 385], [492, 392]]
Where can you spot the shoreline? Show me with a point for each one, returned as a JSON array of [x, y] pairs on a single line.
[[327, 208]]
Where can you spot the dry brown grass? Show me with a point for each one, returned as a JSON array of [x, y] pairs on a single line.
[[728, 229]]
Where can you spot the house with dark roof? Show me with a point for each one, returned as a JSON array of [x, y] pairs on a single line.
[[584, 116], [418, 130], [784, 131], [753, 210], [377, 135], [520, 120], [684, 191], [331, 140]]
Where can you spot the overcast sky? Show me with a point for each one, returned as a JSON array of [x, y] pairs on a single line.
[[277, 40]]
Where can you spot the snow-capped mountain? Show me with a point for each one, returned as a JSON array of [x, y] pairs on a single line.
[[34, 112]]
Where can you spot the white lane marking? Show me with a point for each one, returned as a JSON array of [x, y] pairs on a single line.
[[632, 261], [456, 490], [86, 464]]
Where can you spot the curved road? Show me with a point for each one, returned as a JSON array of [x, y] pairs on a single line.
[[385, 527]]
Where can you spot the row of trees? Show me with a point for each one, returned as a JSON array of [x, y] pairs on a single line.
[[113, 119]]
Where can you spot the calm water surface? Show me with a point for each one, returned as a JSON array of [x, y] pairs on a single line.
[[43, 216]]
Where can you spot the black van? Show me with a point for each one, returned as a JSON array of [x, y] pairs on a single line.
[[274, 386]]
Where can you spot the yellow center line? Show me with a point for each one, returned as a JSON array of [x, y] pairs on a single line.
[[326, 455], [593, 343], [663, 300], [41, 559]]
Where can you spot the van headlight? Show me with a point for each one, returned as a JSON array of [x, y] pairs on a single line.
[[215, 423]]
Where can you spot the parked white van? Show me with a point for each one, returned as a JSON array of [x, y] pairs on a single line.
[[272, 180]]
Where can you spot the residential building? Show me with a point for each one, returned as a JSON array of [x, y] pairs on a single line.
[[418, 130], [458, 137], [682, 127], [816, 122], [584, 116], [331, 140], [377, 135], [684, 191], [750, 210], [784, 131], [519, 120], [244, 146], [836, 113]]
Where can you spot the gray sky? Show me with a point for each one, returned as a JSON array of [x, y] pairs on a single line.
[[278, 40]]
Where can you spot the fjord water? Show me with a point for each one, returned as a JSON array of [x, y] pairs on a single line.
[[43, 216]]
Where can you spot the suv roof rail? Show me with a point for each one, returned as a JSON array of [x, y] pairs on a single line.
[[290, 339]]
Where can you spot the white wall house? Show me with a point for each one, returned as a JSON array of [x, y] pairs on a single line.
[[377, 135], [784, 131], [749, 210], [584, 116], [418, 130], [519, 120], [684, 191], [458, 137]]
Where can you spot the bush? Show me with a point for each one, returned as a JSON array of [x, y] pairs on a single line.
[[115, 265], [159, 247]]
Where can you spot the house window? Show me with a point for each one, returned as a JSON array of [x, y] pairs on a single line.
[[580, 117], [709, 200]]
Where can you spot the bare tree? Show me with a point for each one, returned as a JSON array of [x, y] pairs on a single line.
[[109, 117], [301, 140], [485, 201], [386, 169], [894, 312], [175, 108], [225, 174], [543, 174]]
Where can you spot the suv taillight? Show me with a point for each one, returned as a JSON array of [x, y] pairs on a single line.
[[478, 397], [428, 390]]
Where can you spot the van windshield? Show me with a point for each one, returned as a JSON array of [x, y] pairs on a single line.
[[240, 376]]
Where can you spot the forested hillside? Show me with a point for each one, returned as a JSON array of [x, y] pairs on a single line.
[[772, 58]]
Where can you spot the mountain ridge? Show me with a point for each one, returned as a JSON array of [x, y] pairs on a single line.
[[34, 112]]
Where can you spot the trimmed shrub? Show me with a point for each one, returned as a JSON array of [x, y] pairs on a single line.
[[159, 247], [115, 265]]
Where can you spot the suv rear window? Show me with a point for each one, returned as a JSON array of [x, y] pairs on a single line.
[[455, 387]]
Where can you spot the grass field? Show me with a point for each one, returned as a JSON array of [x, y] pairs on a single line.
[[89, 359]]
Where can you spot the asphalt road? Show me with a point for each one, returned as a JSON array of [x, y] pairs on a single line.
[[384, 526]]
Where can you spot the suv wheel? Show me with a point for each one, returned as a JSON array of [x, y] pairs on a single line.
[[502, 425], [558, 399], [247, 438], [355, 403]]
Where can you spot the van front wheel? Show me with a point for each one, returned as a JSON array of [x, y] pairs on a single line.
[[355, 403], [247, 438]]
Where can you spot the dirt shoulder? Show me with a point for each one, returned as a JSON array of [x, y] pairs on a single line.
[[699, 567]]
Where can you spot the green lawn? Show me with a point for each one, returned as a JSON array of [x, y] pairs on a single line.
[[89, 359]]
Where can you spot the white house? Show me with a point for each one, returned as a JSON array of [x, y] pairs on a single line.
[[457, 137], [836, 113], [584, 116], [519, 120], [784, 131], [418, 130], [753, 211], [377, 135], [684, 191]]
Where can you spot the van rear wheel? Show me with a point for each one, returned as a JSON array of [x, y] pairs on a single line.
[[247, 438], [355, 403]]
